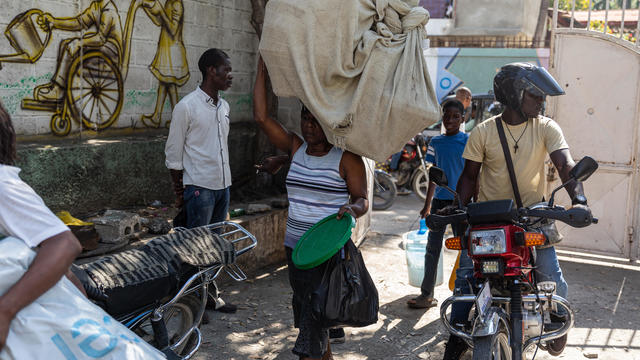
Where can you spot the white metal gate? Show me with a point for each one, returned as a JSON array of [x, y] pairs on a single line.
[[600, 116]]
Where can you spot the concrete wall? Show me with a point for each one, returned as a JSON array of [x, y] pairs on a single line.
[[269, 230], [116, 172], [496, 17], [206, 23]]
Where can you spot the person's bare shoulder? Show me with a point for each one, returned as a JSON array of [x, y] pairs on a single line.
[[350, 157]]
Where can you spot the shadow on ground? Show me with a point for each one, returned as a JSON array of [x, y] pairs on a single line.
[[602, 292]]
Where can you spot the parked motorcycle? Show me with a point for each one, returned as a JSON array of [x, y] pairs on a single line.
[[384, 190], [160, 290], [510, 306], [411, 173]]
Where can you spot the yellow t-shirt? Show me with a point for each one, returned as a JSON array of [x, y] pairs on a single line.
[[542, 136]]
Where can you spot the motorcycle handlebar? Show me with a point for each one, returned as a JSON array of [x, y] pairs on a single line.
[[575, 217], [437, 222]]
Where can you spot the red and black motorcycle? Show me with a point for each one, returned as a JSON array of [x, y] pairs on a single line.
[[508, 317], [410, 174]]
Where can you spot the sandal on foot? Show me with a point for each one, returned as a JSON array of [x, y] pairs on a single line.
[[422, 302]]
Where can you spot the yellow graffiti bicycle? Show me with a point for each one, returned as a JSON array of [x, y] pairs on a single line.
[[94, 92]]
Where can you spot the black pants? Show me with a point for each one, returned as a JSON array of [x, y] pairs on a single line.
[[312, 339], [434, 247]]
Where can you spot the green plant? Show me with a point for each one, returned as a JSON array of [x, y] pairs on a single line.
[[597, 25], [595, 4]]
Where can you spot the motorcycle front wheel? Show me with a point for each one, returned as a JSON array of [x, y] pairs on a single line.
[[384, 191], [178, 319], [420, 184], [493, 347]]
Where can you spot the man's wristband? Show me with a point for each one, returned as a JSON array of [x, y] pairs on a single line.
[[579, 200]]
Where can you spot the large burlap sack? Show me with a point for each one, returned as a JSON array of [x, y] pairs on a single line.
[[62, 324], [357, 65]]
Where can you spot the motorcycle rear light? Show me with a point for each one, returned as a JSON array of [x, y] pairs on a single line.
[[454, 243], [492, 267], [534, 239]]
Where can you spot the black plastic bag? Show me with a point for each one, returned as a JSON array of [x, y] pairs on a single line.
[[347, 295]]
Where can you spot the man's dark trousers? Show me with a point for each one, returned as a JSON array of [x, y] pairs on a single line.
[[434, 247]]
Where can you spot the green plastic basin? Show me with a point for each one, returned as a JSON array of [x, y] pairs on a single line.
[[322, 241]]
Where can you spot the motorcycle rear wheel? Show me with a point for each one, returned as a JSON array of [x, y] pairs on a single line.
[[493, 347], [178, 318], [420, 184], [384, 191]]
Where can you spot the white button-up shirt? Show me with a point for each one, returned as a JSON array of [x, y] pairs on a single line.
[[23, 214], [197, 142]]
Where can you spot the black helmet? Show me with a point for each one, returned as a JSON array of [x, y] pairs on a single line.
[[513, 79]]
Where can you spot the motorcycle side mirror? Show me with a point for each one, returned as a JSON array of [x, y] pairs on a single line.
[[438, 176], [584, 169], [580, 172]]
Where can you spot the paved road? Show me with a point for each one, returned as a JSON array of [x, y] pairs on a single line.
[[603, 291]]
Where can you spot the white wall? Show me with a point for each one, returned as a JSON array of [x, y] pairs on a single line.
[[207, 23]]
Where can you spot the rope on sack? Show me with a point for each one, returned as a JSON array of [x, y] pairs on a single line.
[[398, 17], [417, 18], [341, 131]]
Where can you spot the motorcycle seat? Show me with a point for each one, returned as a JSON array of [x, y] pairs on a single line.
[[198, 247], [135, 278], [128, 280]]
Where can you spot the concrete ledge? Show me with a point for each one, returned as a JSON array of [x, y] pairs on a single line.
[[84, 176], [269, 229]]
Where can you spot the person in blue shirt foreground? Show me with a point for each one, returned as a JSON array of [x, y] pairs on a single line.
[[445, 152]]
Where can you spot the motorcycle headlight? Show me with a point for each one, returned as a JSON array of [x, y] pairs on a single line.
[[485, 242]]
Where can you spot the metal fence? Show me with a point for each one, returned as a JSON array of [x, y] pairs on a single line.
[[487, 42], [556, 23]]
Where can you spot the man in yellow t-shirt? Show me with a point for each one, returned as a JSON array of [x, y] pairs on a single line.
[[535, 140], [522, 88]]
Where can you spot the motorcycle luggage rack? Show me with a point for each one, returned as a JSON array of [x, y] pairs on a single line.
[[235, 272], [227, 235], [228, 230]]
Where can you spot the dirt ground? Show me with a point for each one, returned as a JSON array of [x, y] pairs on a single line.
[[604, 293]]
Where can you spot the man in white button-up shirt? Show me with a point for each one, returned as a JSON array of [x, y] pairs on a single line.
[[196, 151]]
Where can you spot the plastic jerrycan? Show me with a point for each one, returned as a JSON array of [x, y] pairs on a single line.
[[415, 245]]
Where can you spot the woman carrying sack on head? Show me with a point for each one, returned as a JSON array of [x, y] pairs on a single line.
[[322, 180]]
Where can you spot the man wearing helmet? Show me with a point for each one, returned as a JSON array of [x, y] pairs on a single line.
[[521, 88]]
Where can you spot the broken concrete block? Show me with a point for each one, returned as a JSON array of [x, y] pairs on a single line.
[[115, 224], [257, 208], [590, 354]]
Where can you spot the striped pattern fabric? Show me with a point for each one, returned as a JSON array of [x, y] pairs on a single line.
[[315, 191], [127, 268], [160, 258], [197, 247]]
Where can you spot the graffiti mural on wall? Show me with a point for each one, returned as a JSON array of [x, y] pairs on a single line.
[[170, 63], [88, 84]]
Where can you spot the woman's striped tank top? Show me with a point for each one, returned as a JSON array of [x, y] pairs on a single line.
[[315, 191]]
